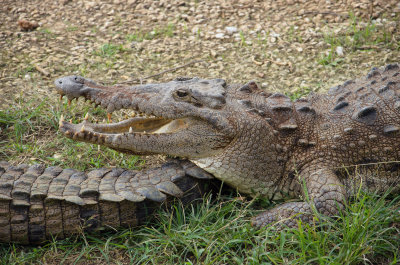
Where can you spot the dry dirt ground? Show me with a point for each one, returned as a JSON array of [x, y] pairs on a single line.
[[277, 43]]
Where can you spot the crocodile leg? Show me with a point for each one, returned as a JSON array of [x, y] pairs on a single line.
[[38, 203], [324, 190]]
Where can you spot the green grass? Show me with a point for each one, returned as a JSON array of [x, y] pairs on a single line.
[[159, 32], [217, 231], [109, 50], [28, 120], [22, 72], [72, 28], [46, 34], [360, 35]]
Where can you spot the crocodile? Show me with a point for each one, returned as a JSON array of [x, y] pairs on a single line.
[[315, 151]]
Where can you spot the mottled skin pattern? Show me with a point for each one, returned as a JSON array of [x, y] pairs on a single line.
[[262, 143], [319, 149], [38, 203]]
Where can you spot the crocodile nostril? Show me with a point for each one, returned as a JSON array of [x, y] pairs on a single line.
[[60, 82]]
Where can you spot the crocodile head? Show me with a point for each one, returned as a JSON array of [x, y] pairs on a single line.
[[186, 117]]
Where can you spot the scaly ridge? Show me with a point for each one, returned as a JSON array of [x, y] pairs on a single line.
[[65, 202]]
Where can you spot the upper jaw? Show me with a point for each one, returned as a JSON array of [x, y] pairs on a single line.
[[111, 98], [152, 99]]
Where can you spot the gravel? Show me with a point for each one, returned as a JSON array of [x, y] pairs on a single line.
[[278, 43]]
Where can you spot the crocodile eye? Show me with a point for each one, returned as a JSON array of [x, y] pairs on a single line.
[[181, 93], [78, 79]]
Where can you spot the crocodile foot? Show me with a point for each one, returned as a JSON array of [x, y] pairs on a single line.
[[322, 188]]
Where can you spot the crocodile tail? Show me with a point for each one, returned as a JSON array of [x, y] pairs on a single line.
[[39, 203]]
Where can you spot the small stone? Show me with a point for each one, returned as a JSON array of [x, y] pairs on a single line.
[[57, 156], [274, 35], [213, 53], [339, 51], [220, 35], [231, 30]]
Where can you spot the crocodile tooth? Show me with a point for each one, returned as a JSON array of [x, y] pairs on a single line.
[[60, 123], [130, 130], [83, 128], [86, 116], [109, 117]]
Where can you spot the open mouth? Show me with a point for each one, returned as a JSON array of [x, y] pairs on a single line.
[[136, 125], [141, 123]]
